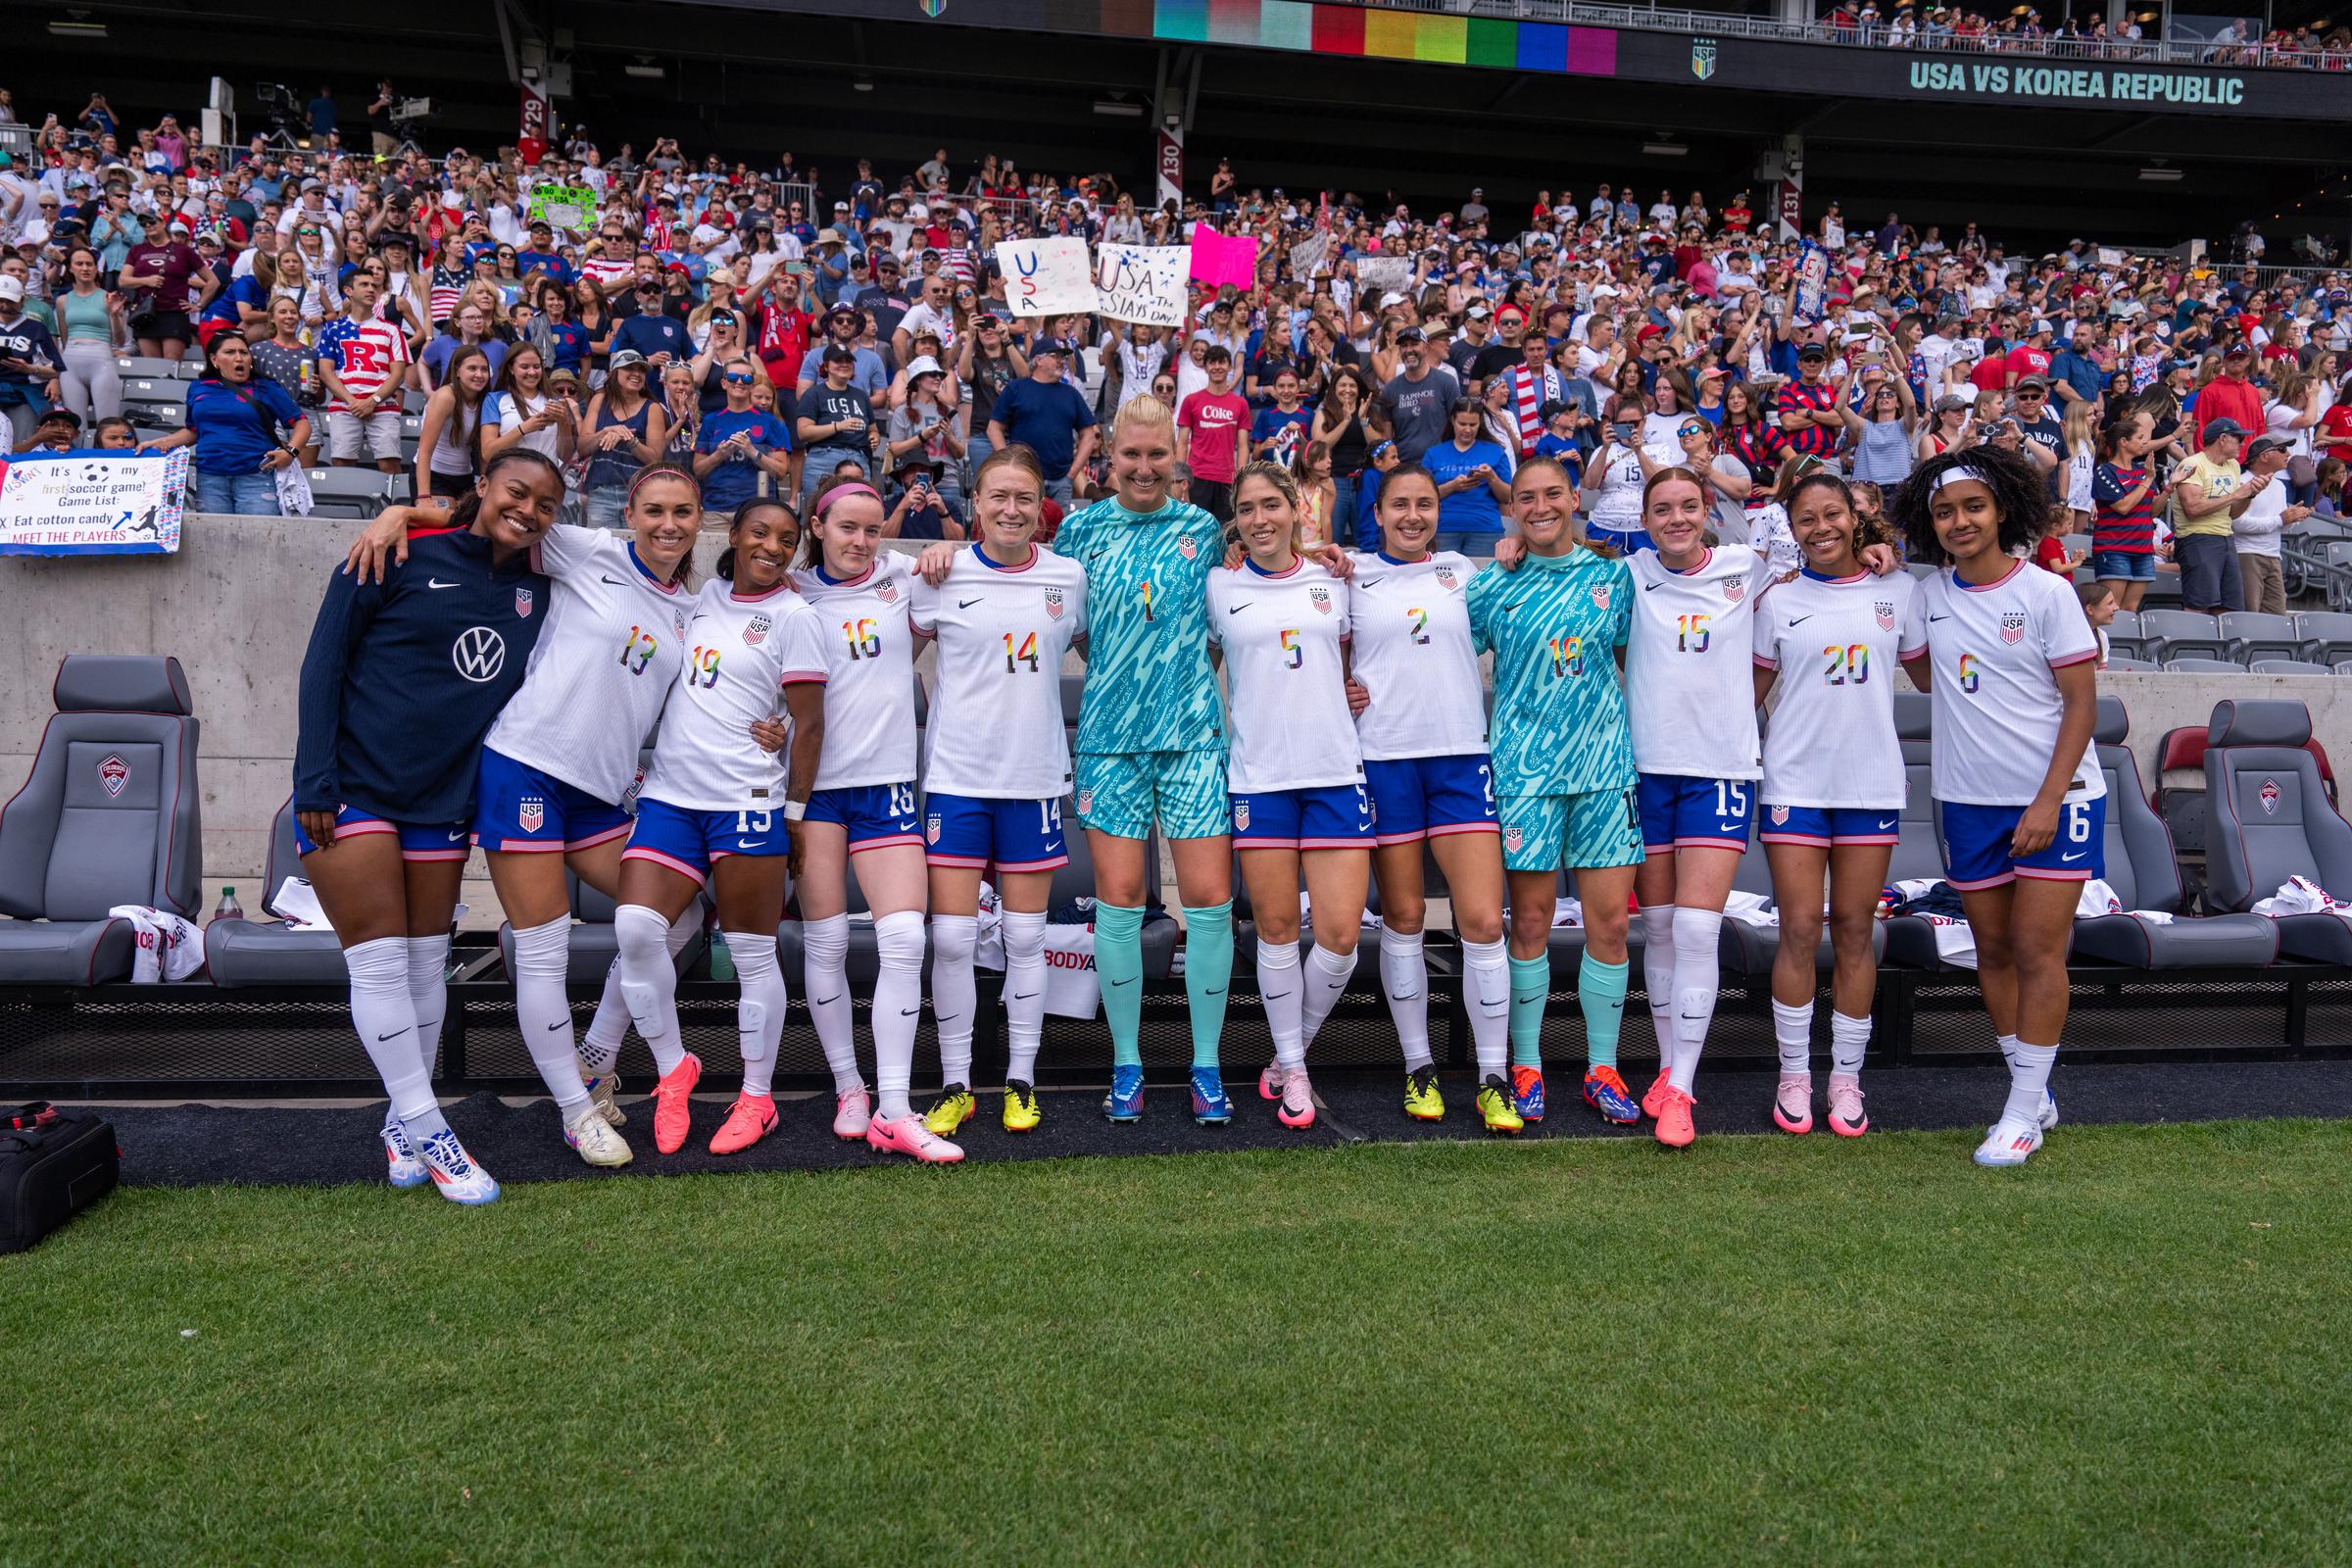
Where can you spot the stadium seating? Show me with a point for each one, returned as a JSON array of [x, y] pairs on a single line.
[[2286, 667], [2204, 666], [2303, 552], [2169, 634], [266, 952], [2271, 822], [593, 945], [347, 492], [2335, 574], [1909, 939], [2118, 661], [108, 816], [153, 403], [2327, 637], [147, 368], [2123, 635], [2249, 635]]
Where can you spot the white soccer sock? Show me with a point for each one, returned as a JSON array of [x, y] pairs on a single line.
[[1327, 977], [648, 982], [2027, 1082], [600, 1047], [1279, 983], [1698, 980], [1849, 1038], [759, 1008], [542, 954], [1024, 992], [898, 1006], [825, 986], [2008, 1044], [1405, 976], [1486, 975], [428, 993], [953, 995], [1657, 976], [1792, 1030], [385, 1017]]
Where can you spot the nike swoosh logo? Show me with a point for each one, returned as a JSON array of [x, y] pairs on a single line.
[[1023, 995], [1097, 555], [1404, 996], [1366, 582], [1507, 609], [1888, 823], [1130, 980], [966, 603], [1939, 617], [1494, 1002], [436, 582], [1235, 610], [614, 581], [750, 843], [826, 1001], [909, 1012], [559, 1023], [454, 837], [1651, 587], [1799, 620], [1218, 992], [2069, 859], [1276, 996], [396, 1034]]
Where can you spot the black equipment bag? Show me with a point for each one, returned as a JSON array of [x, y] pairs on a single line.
[[53, 1164]]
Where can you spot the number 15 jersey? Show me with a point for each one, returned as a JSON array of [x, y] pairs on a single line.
[[997, 726]]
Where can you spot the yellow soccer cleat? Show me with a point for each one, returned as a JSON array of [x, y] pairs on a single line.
[[1422, 1100], [951, 1111], [1021, 1113], [1495, 1106]]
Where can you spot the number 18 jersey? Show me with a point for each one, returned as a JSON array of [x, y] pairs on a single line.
[[743, 649], [996, 729], [1556, 625]]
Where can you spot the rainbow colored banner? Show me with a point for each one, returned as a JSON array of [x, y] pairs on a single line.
[[1304, 27]]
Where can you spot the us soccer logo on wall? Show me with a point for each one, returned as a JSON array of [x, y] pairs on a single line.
[[522, 604], [2013, 627], [113, 774], [2269, 797], [756, 632], [1703, 57], [1052, 604]]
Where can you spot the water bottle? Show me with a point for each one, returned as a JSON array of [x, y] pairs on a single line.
[[722, 962], [229, 909]]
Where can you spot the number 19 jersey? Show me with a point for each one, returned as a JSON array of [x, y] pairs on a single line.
[[870, 673], [996, 729], [1149, 687], [744, 650]]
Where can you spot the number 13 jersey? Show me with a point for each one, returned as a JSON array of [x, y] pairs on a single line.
[[997, 726]]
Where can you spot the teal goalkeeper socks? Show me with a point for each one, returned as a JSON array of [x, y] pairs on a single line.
[[1208, 973], [1531, 985], [1600, 989], [1119, 965]]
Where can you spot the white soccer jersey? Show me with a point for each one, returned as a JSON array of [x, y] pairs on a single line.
[[1996, 702], [741, 651], [1688, 682], [1282, 636], [997, 726], [614, 640], [870, 673], [1411, 650], [1770, 536], [1613, 488], [1837, 642]]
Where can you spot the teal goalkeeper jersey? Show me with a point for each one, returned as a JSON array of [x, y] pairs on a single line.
[[1554, 626], [1148, 684]]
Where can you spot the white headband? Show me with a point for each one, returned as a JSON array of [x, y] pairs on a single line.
[[1959, 476]]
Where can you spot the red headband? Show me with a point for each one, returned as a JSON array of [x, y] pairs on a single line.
[[837, 492]]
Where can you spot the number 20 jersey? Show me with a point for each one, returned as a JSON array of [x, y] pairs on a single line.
[[743, 651], [997, 726]]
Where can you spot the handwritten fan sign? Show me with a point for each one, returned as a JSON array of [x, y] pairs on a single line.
[[571, 207], [1047, 276], [92, 502], [1384, 274], [1310, 255], [1141, 283]]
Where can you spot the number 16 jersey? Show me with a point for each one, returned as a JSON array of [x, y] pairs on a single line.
[[996, 728]]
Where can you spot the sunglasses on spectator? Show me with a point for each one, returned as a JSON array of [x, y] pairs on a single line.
[[740, 377]]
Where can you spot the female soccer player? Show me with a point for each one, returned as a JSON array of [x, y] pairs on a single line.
[[1298, 779], [1694, 744], [998, 769], [717, 809], [1832, 788], [1564, 772], [865, 805], [402, 677], [1421, 724], [2008, 655]]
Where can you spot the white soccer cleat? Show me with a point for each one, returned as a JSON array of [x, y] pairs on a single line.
[[454, 1171], [852, 1114], [601, 1090], [2049, 1112], [402, 1166], [595, 1140], [2008, 1143]]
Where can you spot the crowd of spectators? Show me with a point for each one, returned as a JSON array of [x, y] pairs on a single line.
[[772, 325], [1922, 24]]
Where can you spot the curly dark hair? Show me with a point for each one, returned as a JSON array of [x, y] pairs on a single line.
[[2020, 498]]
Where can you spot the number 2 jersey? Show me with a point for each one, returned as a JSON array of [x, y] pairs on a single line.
[[1410, 621], [870, 673], [997, 726], [1995, 651], [1556, 625], [614, 639], [743, 651], [1835, 642], [1149, 687], [1281, 632], [1688, 665]]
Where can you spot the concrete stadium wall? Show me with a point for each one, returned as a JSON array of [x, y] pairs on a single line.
[[235, 607]]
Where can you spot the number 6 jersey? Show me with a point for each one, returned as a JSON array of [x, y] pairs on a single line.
[[743, 649], [997, 726], [870, 673]]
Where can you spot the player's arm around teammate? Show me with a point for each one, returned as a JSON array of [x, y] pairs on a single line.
[[997, 768], [2009, 659], [865, 805], [1420, 712], [1832, 791], [401, 679], [719, 809], [1298, 801], [1563, 774]]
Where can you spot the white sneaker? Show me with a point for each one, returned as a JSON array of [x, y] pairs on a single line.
[[402, 1166], [601, 1090], [2008, 1143], [2049, 1112], [852, 1114], [454, 1171], [595, 1140]]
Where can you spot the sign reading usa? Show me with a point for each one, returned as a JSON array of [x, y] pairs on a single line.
[[92, 502]]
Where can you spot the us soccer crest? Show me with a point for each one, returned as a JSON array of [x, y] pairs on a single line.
[[1240, 817], [1703, 57], [2269, 797], [931, 827], [1734, 589], [1052, 604], [1086, 802], [1445, 576], [2013, 627], [1601, 596], [756, 632], [522, 604], [1884, 608], [1780, 817], [1512, 839], [113, 774], [1186, 548], [532, 814], [1320, 598], [887, 592]]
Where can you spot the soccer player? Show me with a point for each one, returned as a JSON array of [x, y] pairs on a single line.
[[401, 678], [1280, 623], [998, 769], [1421, 724], [1694, 744], [1563, 772], [2009, 657], [717, 809], [1833, 787], [864, 807]]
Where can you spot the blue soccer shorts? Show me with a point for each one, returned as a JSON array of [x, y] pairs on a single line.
[[1682, 812], [1823, 826], [1334, 817], [875, 816], [1011, 835], [690, 841], [1976, 845], [1417, 797], [418, 841], [519, 809]]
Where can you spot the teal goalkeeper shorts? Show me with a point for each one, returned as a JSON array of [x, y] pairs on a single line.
[[1122, 793], [1544, 832]]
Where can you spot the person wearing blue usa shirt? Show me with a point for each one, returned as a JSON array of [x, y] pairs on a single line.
[[1473, 476], [542, 256], [739, 443], [654, 332], [233, 418]]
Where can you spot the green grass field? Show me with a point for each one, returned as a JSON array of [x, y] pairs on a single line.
[[1773, 1350]]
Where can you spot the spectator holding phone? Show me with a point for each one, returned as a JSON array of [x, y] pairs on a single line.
[[739, 444], [921, 511]]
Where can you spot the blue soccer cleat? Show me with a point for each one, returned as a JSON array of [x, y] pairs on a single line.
[[1210, 1107], [1605, 1092], [1527, 1092], [1125, 1101]]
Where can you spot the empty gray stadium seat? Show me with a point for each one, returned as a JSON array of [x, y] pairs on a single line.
[[2327, 637], [141, 367], [2169, 634], [2124, 634], [264, 953], [2204, 666], [2251, 636], [108, 815], [347, 492], [2269, 821], [2286, 667], [2118, 661]]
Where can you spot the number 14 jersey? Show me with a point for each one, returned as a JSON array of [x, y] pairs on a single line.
[[997, 726]]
